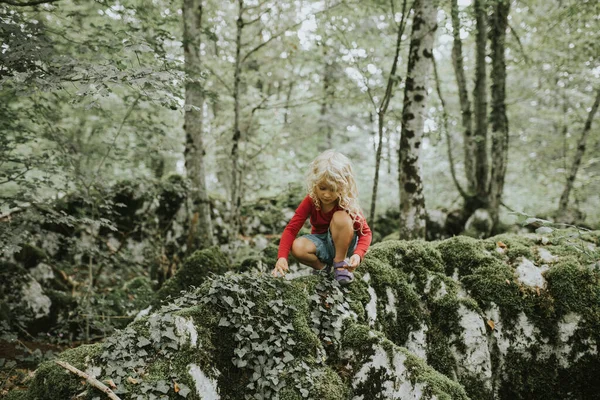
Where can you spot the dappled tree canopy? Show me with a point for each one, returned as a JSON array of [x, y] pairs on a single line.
[[138, 136], [94, 91]]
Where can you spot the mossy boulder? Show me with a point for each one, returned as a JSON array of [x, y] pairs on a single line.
[[243, 336], [509, 317], [511, 305], [23, 301], [194, 271]]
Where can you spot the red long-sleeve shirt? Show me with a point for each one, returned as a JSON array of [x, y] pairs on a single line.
[[320, 221]]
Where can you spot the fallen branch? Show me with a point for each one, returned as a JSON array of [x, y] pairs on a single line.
[[92, 381]]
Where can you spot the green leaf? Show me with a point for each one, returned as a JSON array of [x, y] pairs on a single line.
[[162, 386], [287, 357], [184, 390]]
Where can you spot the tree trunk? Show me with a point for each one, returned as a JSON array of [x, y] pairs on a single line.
[[392, 80], [412, 200], [446, 128], [465, 104], [236, 180], [328, 91], [499, 24], [193, 122], [564, 198], [288, 98], [480, 106], [380, 119]]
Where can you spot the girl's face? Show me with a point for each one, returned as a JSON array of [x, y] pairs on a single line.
[[326, 194]]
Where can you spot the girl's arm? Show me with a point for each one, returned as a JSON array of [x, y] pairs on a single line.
[[293, 227], [364, 238]]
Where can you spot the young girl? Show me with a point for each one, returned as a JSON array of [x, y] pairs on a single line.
[[339, 229]]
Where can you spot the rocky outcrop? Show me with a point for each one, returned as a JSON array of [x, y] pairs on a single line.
[[511, 317]]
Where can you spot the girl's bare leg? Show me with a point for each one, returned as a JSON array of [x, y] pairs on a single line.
[[342, 233], [305, 251]]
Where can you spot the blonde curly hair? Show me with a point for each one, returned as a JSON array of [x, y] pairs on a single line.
[[334, 170]]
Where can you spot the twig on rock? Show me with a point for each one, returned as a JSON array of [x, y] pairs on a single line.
[[91, 380]]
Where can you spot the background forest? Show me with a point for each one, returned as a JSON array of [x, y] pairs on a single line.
[[190, 123]]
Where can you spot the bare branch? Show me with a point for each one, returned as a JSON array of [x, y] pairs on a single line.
[[91, 380], [257, 18], [127, 114], [219, 78], [523, 53], [27, 3], [278, 34]]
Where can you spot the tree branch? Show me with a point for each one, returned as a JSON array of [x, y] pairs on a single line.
[[127, 114], [516, 36], [275, 36], [27, 3], [91, 380]]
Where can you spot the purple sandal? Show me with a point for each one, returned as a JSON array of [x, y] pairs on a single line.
[[341, 274]]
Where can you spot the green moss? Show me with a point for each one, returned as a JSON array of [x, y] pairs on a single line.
[[516, 246], [445, 332], [573, 287], [17, 395], [358, 338], [464, 254], [439, 355], [580, 380], [493, 284], [407, 300], [52, 382], [362, 342], [530, 378], [194, 271], [574, 248], [437, 384], [414, 258], [329, 386]]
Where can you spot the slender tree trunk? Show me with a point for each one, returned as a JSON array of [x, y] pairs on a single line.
[[480, 105], [392, 81], [328, 90], [193, 123], [380, 119], [389, 151], [412, 200], [236, 181], [465, 104], [288, 98], [446, 128], [373, 131], [564, 198], [499, 24]]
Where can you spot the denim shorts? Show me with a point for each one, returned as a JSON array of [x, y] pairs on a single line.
[[326, 248]]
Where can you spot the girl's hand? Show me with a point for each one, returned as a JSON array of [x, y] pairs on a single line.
[[354, 262], [281, 267]]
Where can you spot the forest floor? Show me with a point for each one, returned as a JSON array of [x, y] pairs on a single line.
[[20, 358]]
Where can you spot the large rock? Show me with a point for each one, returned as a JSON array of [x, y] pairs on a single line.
[[511, 317]]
